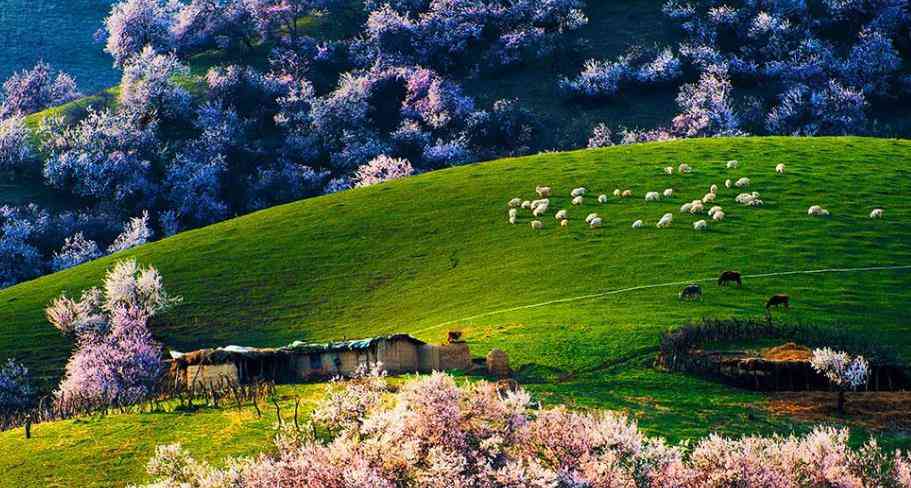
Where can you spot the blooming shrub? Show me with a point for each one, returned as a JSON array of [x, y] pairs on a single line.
[[116, 361], [841, 370], [211, 23], [706, 107], [135, 24], [601, 137], [642, 67], [16, 151], [16, 390], [33, 90], [829, 110], [380, 169], [136, 232], [76, 250], [147, 87], [434, 433]]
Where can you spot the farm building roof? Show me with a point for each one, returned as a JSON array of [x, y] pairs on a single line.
[[227, 353]]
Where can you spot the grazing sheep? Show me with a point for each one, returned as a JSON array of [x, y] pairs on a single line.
[[718, 216], [877, 213], [537, 224], [526, 204], [733, 164], [617, 192], [602, 198], [728, 184], [512, 215], [637, 224], [714, 209], [780, 168], [668, 192], [578, 192], [708, 198], [684, 169], [561, 215], [700, 225], [595, 223], [756, 202], [748, 198], [539, 210], [742, 182], [564, 223], [665, 221], [685, 208], [543, 191], [591, 216], [691, 292], [626, 193], [713, 189], [778, 300], [730, 277], [817, 211], [697, 207], [652, 196], [669, 170], [577, 200], [536, 203], [515, 203]]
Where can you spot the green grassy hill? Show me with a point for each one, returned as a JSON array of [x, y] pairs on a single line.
[[434, 253]]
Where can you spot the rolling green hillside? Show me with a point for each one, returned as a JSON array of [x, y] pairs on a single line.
[[434, 253]]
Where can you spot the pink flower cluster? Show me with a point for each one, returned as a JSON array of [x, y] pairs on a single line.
[[433, 433]]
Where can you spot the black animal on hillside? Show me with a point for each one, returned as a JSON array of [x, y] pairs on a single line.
[[778, 300], [691, 292], [730, 277]]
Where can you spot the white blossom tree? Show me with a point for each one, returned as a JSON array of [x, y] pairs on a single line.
[[841, 370]]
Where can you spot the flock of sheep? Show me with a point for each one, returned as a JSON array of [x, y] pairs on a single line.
[[716, 213]]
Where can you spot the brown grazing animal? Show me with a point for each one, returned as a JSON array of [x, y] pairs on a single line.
[[778, 300], [729, 277]]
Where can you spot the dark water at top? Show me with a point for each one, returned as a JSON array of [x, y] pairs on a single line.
[[60, 32]]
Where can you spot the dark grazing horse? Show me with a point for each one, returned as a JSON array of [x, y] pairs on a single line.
[[730, 277], [691, 292], [778, 300]]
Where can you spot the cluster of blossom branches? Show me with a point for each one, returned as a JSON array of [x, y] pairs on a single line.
[[431, 432], [813, 67], [16, 390], [116, 361]]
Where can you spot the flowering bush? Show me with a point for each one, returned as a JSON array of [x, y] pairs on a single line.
[[382, 168], [16, 391], [706, 107], [147, 87], [205, 23], [434, 433], [829, 110], [603, 79], [116, 361], [841, 371], [136, 232], [30, 91], [134, 24], [76, 250], [16, 151], [601, 137]]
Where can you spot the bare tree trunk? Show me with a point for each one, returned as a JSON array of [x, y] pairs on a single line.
[[841, 401]]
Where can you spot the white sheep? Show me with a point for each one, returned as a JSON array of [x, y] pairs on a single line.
[[817, 211], [578, 192], [746, 198], [708, 198], [684, 168], [577, 200], [756, 202], [564, 223], [733, 164], [742, 182], [526, 204], [669, 170], [877, 213], [728, 184], [595, 223], [602, 198], [685, 208], [617, 192], [539, 210], [668, 192], [590, 217], [652, 196], [512, 215], [718, 216], [700, 225], [780, 168], [537, 224], [543, 191], [714, 209], [637, 224], [536, 203], [713, 189], [665, 221], [697, 207], [626, 193], [515, 203], [561, 215]]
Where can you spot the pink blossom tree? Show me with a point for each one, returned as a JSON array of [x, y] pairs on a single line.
[[30, 91], [382, 168], [843, 372]]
